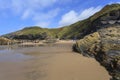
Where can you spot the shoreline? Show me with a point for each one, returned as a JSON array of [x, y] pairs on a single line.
[[51, 63]]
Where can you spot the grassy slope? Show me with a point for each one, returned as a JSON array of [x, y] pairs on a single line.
[[78, 27], [69, 31]]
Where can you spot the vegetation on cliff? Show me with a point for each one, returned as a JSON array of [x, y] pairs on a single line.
[[104, 41], [78, 29]]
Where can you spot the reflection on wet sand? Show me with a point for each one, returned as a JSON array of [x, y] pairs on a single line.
[[48, 62]]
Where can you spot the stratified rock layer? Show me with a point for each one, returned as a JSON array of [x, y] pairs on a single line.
[[5, 41], [104, 45]]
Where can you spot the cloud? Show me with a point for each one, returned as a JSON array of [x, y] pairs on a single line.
[[40, 16], [73, 16], [32, 9], [43, 24], [44, 11], [45, 18], [88, 12], [33, 4], [26, 14], [18, 6], [68, 18]]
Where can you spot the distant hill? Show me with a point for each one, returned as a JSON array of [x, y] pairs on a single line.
[[32, 33], [109, 15]]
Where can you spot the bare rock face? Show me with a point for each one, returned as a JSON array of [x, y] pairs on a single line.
[[104, 43], [110, 48], [104, 46], [111, 18], [88, 44], [5, 41]]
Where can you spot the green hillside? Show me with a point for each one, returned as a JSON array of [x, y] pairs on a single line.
[[78, 29], [87, 26]]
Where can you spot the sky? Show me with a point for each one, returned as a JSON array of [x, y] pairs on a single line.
[[17, 14]]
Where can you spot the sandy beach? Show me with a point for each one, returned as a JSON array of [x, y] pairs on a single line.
[[52, 62]]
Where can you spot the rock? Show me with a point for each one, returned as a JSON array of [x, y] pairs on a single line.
[[104, 46], [5, 41]]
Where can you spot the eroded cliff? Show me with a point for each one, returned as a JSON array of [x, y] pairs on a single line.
[[104, 46]]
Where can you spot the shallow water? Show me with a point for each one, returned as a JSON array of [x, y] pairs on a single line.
[[12, 56], [53, 62]]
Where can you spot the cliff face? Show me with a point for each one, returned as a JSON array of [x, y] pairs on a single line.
[[109, 15], [104, 41], [111, 18], [110, 49], [5, 41], [104, 46]]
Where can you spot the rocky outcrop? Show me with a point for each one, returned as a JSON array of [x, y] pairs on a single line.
[[5, 41], [111, 18], [104, 46], [30, 37]]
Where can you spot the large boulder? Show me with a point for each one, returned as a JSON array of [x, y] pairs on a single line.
[[104, 46]]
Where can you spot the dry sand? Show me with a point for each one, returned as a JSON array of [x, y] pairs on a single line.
[[56, 62]]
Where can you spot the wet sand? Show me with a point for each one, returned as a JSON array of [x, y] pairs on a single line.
[[52, 62]]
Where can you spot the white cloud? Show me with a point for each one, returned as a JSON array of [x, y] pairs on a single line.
[[40, 16], [32, 4], [34, 10], [43, 24], [19, 6], [44, 19], [72, 16], [37, 10], [26, 14], [88, 12], [69, 18]]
